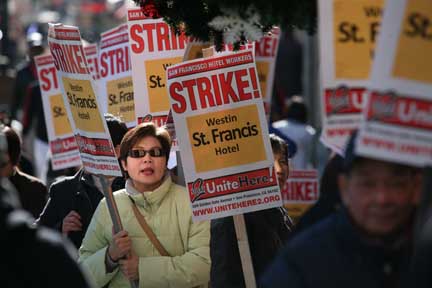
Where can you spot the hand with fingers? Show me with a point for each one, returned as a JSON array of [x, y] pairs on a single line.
[[129, 266], [120, 246], [72, 222]]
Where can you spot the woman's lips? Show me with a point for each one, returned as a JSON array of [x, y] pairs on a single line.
[[147, 171]]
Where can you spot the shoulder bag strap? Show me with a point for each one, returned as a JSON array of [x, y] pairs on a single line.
[[149, 231]]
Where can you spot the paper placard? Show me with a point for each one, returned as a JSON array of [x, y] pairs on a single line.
[[63, 147], [222, 132], [78, 90]]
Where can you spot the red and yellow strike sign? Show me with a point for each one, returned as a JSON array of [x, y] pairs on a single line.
[[413, 61], [156, 83], [83, 105], [121, 98], [226, 138], [356, 26], [59, 114]]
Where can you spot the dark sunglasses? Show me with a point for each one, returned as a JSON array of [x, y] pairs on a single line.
[[139, 153]]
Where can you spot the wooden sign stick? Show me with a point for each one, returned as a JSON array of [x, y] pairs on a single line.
[[240, 228], [113, 210]]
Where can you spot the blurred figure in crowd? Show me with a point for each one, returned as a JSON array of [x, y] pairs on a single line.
[[26, 72], [73, 200], [267, 232], [329, 196], [295, 127], [24, 102], [368, 243], [31, 191], [36, 257]]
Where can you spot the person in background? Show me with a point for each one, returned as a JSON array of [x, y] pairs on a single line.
[[31, 191], [73, 200], [36, 257], [178, 255], [267, 232], [26, 71], [35, 130], [295, 127], [329, 196], [368, 243]]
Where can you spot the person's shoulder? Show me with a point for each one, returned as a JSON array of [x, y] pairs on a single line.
[[31, 179], [22, 67], [179, 192], [64, 185], [310, 130], [280, 124], [315, 237], [121, 194], [65, 180]]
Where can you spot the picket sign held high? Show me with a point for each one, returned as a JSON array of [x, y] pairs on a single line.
[[240, 228]]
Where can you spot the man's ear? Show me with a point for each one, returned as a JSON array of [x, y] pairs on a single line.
[[343, 187]]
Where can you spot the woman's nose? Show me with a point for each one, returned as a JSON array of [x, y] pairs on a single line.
[[147, 158]]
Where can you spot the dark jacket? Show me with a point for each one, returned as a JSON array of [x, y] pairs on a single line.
[[31, 191], [333, 253], [73, 193], [34, 257], [267, 231]]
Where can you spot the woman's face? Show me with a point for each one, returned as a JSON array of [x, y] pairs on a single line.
[[146, 171]]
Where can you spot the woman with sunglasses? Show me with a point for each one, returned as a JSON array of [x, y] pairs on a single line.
[[131, 255]]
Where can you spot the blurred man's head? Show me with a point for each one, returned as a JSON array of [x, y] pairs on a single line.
[[13, 151], [296, 109], [35, 44], [380, 196], [280, 154]]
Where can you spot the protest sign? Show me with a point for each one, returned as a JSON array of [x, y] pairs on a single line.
[[300, 192], [265, 54], [63, 147], [222, 132], [78, 90], [348, 33], [154, 47], [398, 117], [115, 84], [91, 54]]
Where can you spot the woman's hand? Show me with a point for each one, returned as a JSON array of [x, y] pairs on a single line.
[[129, 266], [120, 246]]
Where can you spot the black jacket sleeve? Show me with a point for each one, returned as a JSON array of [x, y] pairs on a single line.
[[226, 269]]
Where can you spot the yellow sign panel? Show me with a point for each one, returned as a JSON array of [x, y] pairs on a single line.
[[263, 71], [83, 105], [121, 98], [226, 138], [412, 59], [59, 116], [356, 25], [156, 83]]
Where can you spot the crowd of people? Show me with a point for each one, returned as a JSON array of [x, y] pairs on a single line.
[[59, 232], [364, 237]]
